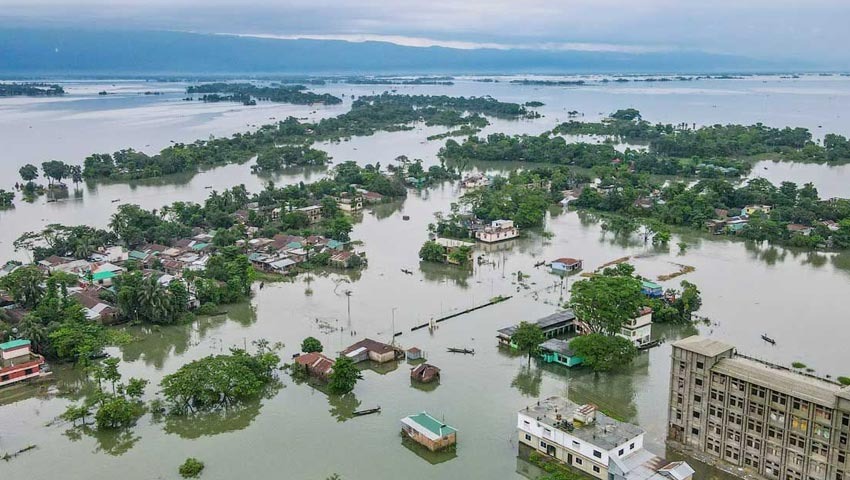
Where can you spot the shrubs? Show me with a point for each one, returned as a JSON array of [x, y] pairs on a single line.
[[191, 468]]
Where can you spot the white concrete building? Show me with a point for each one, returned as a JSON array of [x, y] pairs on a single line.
[[497, 231], [639, 329], [592, 442]]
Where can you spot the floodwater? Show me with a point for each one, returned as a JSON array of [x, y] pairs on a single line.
[[299, 432]]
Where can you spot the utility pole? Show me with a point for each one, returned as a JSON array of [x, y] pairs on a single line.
[[348, 299], [392, 334]]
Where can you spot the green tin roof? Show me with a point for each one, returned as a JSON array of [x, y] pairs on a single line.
[[432, 424], [335, 244], [199, 246], [14, 344], [137, 255], [104, 275], [648, 284]]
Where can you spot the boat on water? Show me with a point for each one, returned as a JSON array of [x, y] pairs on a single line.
[[368, 411], [468, 351], [404, 270], [768, 339]]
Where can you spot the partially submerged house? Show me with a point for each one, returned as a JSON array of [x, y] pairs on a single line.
[[424, 373], [497, 231], [316, 364], [638, 330], [19, 363], [587, 440], [553, 325], [556, 350], [368, 349], [426, 430], [566, 265], [651, 289]]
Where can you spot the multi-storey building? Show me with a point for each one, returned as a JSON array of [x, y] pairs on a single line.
[[770, 420], [592, 442]]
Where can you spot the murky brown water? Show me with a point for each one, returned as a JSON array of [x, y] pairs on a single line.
[[301, 433]]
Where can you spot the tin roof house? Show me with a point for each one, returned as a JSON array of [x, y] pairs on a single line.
[[426, 430]]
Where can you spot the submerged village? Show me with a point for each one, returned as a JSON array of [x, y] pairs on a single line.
[[87, 292]]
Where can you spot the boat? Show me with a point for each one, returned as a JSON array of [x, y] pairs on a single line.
[[469, 351], [208, 187], [368, 411], [540, 263], [116, 200], [404, 270], [768, 339], [405, 217]]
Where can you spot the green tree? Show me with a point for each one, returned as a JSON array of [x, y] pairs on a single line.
[[191, 468], [29, 172], [344, 376], [603, 352], [604, 303], [55, 170], [311, 344], [432, 252], [219, 381], [25, 285], [528, 337]]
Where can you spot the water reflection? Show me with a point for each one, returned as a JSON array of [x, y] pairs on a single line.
[[343, 406], [225, 420], [111, 442], [439, 273], [422, 452], [528, 380]]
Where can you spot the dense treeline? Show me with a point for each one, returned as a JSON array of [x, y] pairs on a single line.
[[548, 149], [247, 92], [275, 159], [368, 115], [815, 222], [725, 141], [30, 90]]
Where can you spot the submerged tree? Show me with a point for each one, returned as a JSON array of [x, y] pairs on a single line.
[[344, 376], [528, 337]]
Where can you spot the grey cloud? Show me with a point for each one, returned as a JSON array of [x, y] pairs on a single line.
[[762, 28]]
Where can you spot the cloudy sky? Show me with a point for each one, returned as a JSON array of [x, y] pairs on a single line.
[[815, 30]]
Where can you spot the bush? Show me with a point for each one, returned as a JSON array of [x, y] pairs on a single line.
[[191, 468], [311, 344], [844, 380], [798, 365]]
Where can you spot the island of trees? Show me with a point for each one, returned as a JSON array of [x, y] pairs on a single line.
[[368, 114], [250, 94], [30, 90]]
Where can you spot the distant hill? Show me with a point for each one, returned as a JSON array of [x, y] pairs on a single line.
[[30, 51]]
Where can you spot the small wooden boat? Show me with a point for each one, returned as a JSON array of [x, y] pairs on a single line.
[[404, 270], [469, 351], [768, 339], [208, 187], [540, 263], [116, 200], [405, 217], [368, 411]]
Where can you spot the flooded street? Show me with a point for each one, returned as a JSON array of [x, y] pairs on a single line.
[[300, 432]]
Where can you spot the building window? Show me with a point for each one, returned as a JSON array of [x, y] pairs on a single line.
[[695, 431], [576, 444], [597, 454], [698, 398], [578, 461], [543, 445], [696, 414], [528, 437], [631, 446], [620, 453], [700, 365], [595, 469], [698, 382]]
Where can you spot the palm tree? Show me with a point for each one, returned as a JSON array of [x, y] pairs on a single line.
[[33, 330], [154, 301]]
